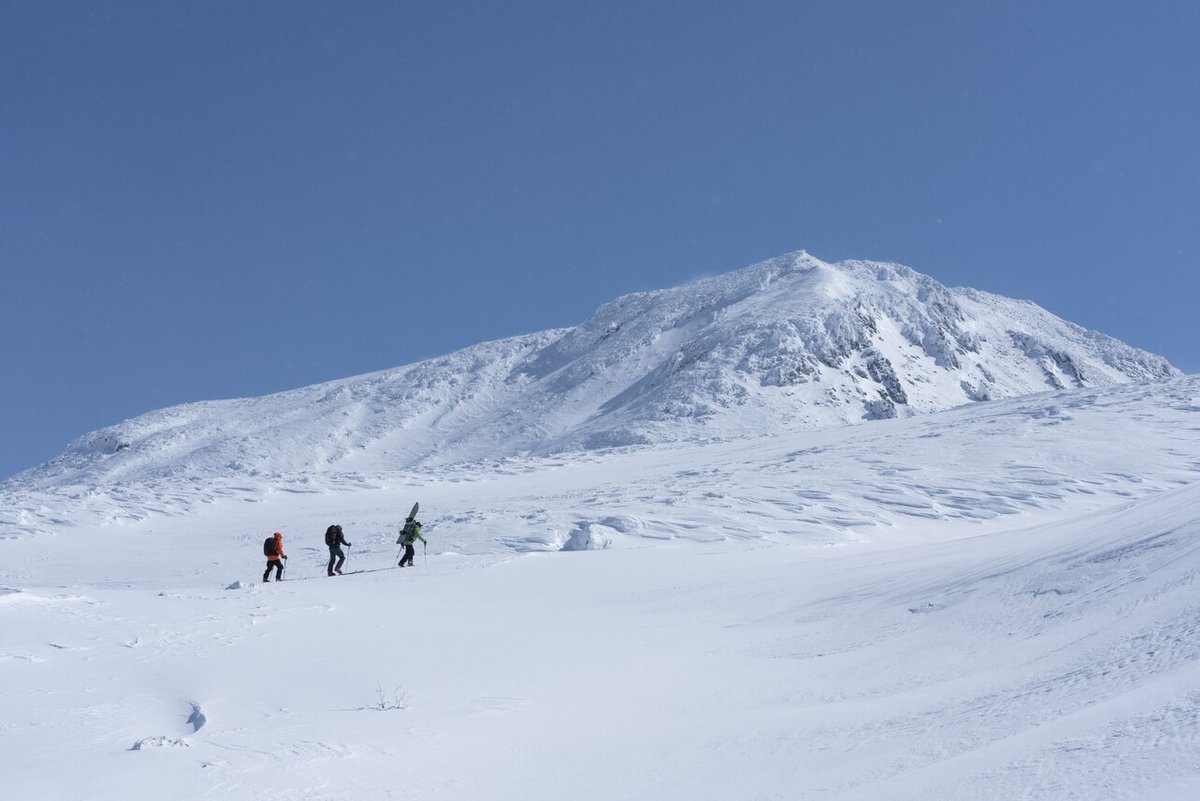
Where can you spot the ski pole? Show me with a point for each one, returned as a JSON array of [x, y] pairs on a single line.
[[425, 552]]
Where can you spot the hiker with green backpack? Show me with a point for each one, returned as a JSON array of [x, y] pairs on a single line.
[[408, 535]]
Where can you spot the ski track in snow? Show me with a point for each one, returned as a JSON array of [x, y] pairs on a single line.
[[998, 602]]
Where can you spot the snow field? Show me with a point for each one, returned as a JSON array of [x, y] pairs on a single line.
[[1054, 663], [997, 602]]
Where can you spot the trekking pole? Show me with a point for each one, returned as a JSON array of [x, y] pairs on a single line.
[[425, 551]]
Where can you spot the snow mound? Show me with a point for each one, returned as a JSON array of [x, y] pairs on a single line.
[[589, 537]]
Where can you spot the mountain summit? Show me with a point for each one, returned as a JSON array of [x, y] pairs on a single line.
[[786, 344]]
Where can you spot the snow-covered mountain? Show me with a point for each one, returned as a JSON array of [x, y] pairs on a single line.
[[992, 601], [788, 344]]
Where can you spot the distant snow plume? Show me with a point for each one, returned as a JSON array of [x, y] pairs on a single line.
[[788, 344]]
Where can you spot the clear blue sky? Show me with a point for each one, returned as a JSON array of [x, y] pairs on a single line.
[[205, 200]]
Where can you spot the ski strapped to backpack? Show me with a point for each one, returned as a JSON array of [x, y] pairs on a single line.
[[410, 532], [408, 523]]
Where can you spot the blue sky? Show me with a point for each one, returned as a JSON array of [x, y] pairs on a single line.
[[225, 199]]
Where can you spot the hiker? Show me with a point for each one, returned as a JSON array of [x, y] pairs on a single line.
[[335, 541], [410, 532], [273, 548]]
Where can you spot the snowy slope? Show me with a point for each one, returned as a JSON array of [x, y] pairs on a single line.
[[658, 567], [788, 344], [992, 602]]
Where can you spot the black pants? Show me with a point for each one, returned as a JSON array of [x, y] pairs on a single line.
[[409, 553], [278, 565], [335, 553]]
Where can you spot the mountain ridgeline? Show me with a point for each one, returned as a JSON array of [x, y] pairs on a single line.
[[788, 344]]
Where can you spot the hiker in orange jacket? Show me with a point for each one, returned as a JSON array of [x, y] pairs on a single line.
[[275, 560]]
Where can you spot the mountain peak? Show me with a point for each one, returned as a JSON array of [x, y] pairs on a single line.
[[789, 343]]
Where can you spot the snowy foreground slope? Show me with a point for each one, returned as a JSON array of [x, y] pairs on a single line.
[[789, 344], [998, 601]]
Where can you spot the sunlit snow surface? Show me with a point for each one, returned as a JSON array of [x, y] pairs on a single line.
[[999, 601]]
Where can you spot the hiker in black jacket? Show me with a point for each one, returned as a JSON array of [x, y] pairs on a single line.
[[335, 541]]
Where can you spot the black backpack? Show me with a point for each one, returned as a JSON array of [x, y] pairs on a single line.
[[269, 546], [331, 535]]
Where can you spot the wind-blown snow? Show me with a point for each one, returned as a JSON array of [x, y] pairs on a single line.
[[991, 601]]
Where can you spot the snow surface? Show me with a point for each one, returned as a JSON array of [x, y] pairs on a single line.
[[998, 601]]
